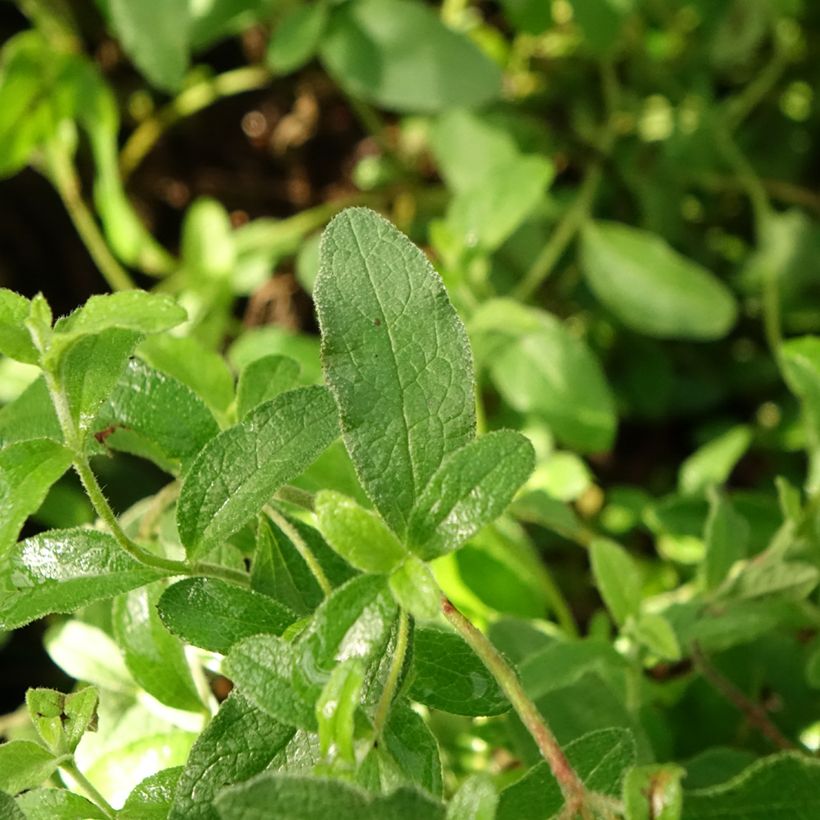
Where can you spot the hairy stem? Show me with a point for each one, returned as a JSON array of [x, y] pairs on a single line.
[[396, 664], [301, 547], [189, 101], [754, 712], [88, 787], [572, 787], [63, 176]]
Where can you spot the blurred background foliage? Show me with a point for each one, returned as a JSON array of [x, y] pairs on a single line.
[[622, 197]]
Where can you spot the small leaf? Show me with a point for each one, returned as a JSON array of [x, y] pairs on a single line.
[[240, 470], [296, 38], [792, 579], [396, 357], [450, 677], [601, 760], [155, 34], [15, 339], [539, 367], [399, 55], [24, 765], [413, 747], [358, 535], [151, 799], [336, 708], [415, 589], [617, 578], [780, 787], [189, 361], [214, 614], [263, 379], [62, 570], [55, 804], [712, 464], [726, 536], [262, 668], [654, 792], [238, 743], [657, 635], [651, 288], [471, 489], [208, 249], [31, 415], [155, 658], [27, 471], [355, 621], [161, 418], [62, 720], [476, 799], [133, 310]]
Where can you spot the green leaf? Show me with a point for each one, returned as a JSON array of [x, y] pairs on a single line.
[[657, 635], [155, 658], [713, 463], [208, 250], [239, 471], [12, 811], [24, 765], [355, 621], [413, 747], [726, 536], [31, 415], [651, 288], [262, 668], [280, 571], [27, 471], [617, 577], [133, 310], [155, 416], [87, 653], [62, 720], [471, 489], [15, 339], [187, 360], [357, 534], [264, 379], [62, 570], [215, 615], [151, 799], [541, 368], [793, 579], [654, 792], [297, 796], [600, 21], [238, 743], [399, 55], [487, 214], [601, 760], [336, 709], [296, 38], [476, 799], [415, 589], [155, 34], [450, 677], [780, 787], [396, 357], [90, 368], [56, 804]]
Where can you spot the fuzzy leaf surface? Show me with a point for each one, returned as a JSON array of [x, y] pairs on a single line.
[[396, 357]]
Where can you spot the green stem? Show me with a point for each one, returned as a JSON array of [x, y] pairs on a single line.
[[63, 176], [189, 101], [88, 787], [103, 508], [572, 787], [301, 547], [563, 235], [392, 682]]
